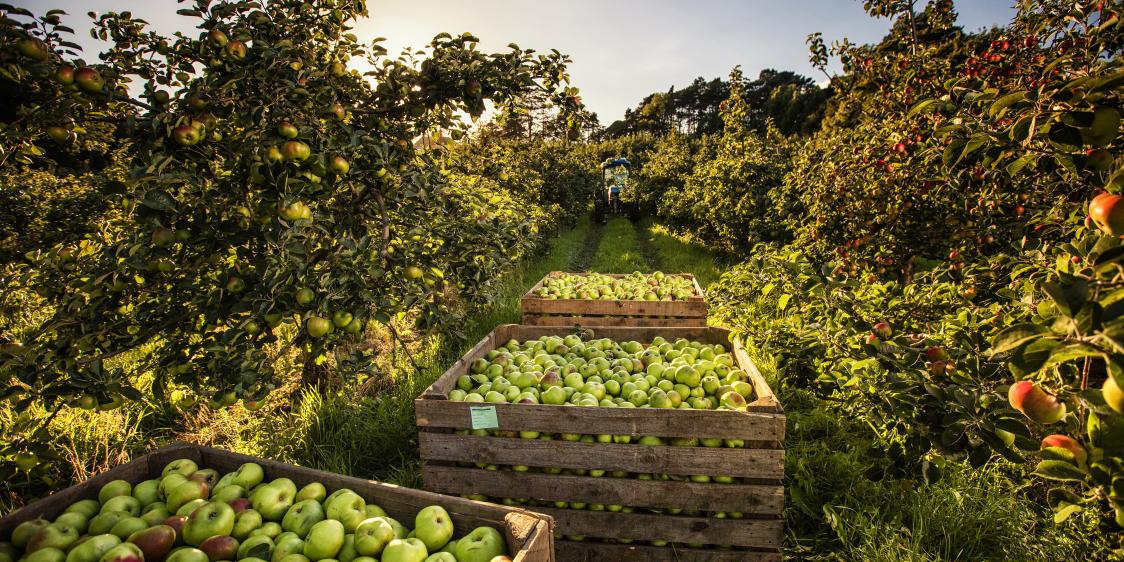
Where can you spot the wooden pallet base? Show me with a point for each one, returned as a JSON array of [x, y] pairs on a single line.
[[635, 321], [572, 551]]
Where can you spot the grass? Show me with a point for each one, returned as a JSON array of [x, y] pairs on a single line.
[[619, 250]]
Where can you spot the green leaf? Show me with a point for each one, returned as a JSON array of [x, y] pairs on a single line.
[[782, 302], [1064, 512], [1005, 102], [1059, 470], [1069, 294], [1015, 336], [1071, 351]]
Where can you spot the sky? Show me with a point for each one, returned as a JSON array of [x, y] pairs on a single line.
[[622, 50]]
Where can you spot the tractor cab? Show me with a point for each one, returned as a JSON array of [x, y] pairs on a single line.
[[614, 197]]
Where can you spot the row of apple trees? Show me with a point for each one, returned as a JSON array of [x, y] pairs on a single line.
[[936, 260], [270, 199]]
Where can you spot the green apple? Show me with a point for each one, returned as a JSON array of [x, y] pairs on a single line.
[[312, 491], [190, 507], [113, 489], [127, 526], [295, 557], [186, 555], [347, 552], [128, 504], [245, 523], [147, 492], [302, 516], [92, 549], [89, 508], [227, 493], [124, 552], [373, 510], [154, 541], [272, 501], [324, 540], [73, 519], [259, 546], [49, 554], [208, 476], [212, 519], [434, 527], [404, 550], [348, 508], [24, 531], [271, 529], [103, 522], [169, 482], [286, 544], [481, 545], [54, 535], [186, 492], [248, 475], [372, 535], [183, 467], [286, 484]]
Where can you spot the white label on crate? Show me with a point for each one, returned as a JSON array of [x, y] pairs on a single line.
[[484, 417]]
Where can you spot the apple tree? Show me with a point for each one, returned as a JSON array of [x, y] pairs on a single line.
[[276, 200]]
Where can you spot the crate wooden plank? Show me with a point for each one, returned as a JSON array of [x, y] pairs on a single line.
[[615, 307], [529, 535], [657, 494], [739, 462], [584, 321], [690, 312], [571, 551], [719, 424], [756, 533]]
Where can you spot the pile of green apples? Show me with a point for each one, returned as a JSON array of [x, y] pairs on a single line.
[[601, 372], [634, 286], [197, 515]]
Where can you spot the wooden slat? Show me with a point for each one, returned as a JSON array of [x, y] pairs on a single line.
[[744, 498], [747, 463], [756, 533], [584, 321], [529, 535], [570, 551], [721, 424], [682, 308]]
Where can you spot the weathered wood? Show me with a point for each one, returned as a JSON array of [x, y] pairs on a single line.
[[755, 533], [558, 312], [760, 462], [588, 321], [590, 307], [529, 535], [746, 463], [656, 494], [718, 424], [571, 551]]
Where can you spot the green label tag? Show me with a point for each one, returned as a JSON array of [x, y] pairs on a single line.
[[484, 417]]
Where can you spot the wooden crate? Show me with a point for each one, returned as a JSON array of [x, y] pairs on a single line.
[[449, 462], [528, 534], [538, 311]]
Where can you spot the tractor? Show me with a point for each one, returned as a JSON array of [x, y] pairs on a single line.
[[615, 198]]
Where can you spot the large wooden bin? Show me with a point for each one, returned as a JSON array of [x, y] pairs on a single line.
[[528, 534], [538, 311], [450, 460]]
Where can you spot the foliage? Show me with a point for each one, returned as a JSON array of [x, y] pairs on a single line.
[[312, 208]]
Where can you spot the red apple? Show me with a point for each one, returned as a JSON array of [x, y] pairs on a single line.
[[222, 547], [1035, 403], [883, 331], [239, 504], [1068, 443], [1107, 211], [89, 79]]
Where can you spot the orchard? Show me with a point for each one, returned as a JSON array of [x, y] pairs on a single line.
[[272, 235]]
